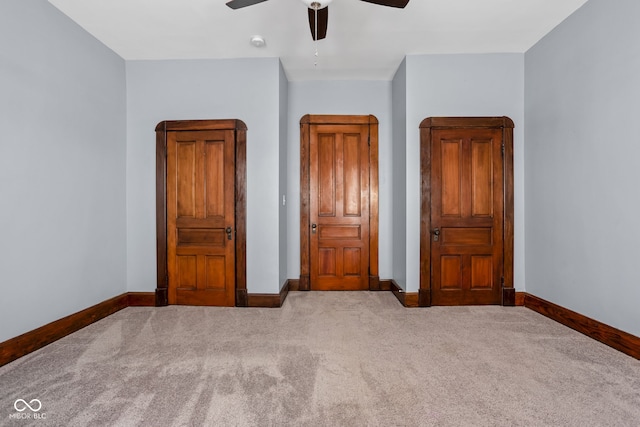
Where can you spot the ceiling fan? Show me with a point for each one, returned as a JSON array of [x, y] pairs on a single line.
[[318, 12]]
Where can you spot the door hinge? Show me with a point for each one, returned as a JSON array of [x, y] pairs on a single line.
[[503, 148], [502, 281], [369, 140]]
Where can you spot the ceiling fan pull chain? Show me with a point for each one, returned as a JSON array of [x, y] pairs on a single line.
[[315, 39]]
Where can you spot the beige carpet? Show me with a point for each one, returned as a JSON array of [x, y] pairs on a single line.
[[325, 359]]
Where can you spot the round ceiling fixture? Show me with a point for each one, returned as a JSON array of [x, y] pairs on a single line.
[[258, 41]]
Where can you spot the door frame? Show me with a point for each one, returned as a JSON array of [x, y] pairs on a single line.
[[504, 123], [305, 196], [162, 287]]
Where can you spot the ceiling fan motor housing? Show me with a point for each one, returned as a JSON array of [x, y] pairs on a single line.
[[316, 4]]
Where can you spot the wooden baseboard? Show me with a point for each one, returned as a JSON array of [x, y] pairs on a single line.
[[26, 343], [407, 299], [141, 299], [520, 298], [269, 300], [294, 284], [508, 297], [620, 340], [162, 297]]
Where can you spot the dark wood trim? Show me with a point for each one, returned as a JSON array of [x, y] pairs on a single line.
[[328, 119], [508, 290], [520, 298], [305, 177], [508, 296], [26, 343], [294, 285], [284, 292], [141, 299], [385, 285], [241, 207], [269, 300], [242, 298], [240, 130], [217, 124], [305, 204], [411, 299], [424, 298], [407, 299], [620, 340], [425, 211], [467, 122], [504, 123], [374, 210], [162, 297], [162, 285]]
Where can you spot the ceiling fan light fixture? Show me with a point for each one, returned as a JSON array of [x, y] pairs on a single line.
[[258, 41], [317, 4]]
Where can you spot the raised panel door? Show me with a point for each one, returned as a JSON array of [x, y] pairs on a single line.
[[201, 217]]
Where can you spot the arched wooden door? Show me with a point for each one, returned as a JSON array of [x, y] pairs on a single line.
[[339, 203]]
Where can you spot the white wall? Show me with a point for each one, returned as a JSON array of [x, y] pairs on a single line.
[[62, 168], [399, 199], [245, 89], [582, 174], [340, 97], [462, 85]]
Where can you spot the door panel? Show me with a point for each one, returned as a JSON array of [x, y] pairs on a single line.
[[200, 208], [466, 210], [451, 188], [339, 207]]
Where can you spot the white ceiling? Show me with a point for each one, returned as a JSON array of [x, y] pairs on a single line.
[[364, 41]]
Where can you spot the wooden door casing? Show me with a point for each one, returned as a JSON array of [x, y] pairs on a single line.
[[192, 246], [467, 195], [345, 234]]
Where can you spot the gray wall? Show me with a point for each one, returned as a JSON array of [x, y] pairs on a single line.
[[283, 129], [462, 85], [399, 182], [62, 168], [77, 159], [340, 97], [245, 89], [582, 174]]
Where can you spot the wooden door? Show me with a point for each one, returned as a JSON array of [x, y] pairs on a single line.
[[467, 215], [339, 203], [339, 185], [201, 217]]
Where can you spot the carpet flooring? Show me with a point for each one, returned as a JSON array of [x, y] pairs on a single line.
[[324, 359]]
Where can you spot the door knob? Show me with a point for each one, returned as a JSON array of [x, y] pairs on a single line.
[[436, 234], [229, 230], [314, 227]]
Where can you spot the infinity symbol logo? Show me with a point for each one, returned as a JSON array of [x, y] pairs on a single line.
[[37, 405]]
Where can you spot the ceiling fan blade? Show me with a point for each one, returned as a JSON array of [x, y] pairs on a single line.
[[323, 19], [390, 3], [237, 4]]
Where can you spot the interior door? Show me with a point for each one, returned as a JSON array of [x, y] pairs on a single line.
[[339, 206], [201, 217], [467, 199]]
